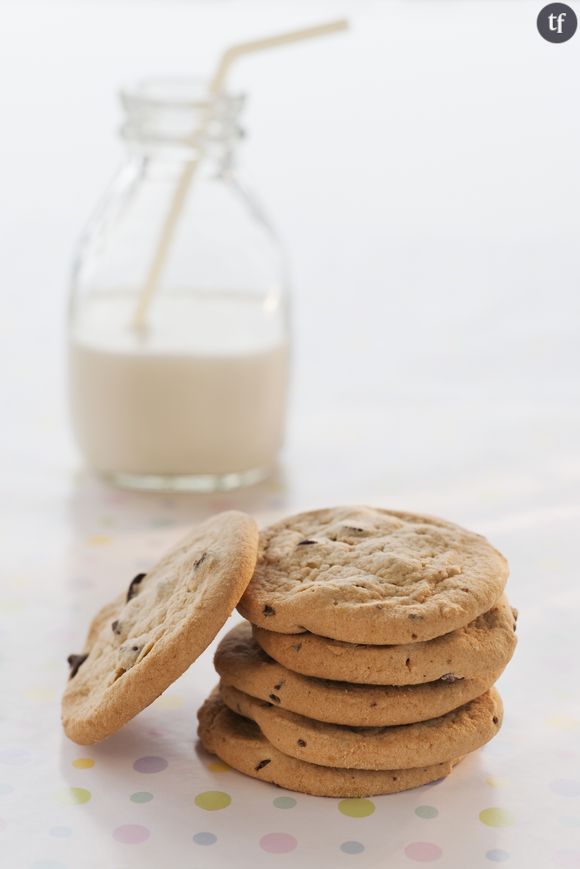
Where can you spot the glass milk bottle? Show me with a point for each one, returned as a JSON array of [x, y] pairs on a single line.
[[185, 389]]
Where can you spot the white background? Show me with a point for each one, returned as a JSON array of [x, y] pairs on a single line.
[[423, 171]]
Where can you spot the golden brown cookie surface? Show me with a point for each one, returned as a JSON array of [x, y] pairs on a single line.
[[401, 747], [145, 639], [485, 644], [240, 743], [366, 575], [243, 664]]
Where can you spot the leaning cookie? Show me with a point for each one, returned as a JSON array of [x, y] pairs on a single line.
[[242, 664], [484, 645], [364, 575], [240, 743], [409, 745], [139, 644]]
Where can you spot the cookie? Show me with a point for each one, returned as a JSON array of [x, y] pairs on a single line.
[[401, 747], [139, 644], [240, 743], [364, 575], [373, 576], [485, 644], [243, 664]]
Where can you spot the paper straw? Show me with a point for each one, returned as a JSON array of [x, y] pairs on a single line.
[[216, 87]]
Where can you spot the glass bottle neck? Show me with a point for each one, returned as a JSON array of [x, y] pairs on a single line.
[[175, 119]]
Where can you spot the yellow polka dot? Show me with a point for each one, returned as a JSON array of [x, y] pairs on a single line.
[[496, 781], [495, 817], [551, 564], [563, 722], [11, 606], [169, 701], [40, 695], [218, 766], [213, 801], [74, 796], [83, 762], [98, 540], [356, 808]]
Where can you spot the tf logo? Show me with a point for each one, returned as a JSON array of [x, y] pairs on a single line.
[[557, 22]]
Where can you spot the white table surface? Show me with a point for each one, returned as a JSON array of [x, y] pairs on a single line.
[[424, 174]]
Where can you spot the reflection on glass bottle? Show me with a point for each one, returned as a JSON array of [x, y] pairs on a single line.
[[196, 398]]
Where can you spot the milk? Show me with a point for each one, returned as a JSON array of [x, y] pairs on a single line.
[[201, 392]]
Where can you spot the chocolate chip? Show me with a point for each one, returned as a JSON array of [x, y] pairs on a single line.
[[296, 647], [306, 542], [129, 652], [301, 743], [75, 662], [263, 763], [269, 610], [495, 719], [451, 677], [133, 586], [374, 704], [413, 616], [116, 627], [200, 560], [353, 528], [274, 698], [278, 686]]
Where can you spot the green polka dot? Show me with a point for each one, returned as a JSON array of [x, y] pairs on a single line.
[[211, 801], [74, 796], [426, 812], [284, 802], [356, 808], [495, 817], [141, 797]]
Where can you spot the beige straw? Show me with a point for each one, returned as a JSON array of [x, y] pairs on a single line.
[[217, 86]]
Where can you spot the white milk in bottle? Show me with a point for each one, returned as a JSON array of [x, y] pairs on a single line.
[[201, 393], [178, 325]]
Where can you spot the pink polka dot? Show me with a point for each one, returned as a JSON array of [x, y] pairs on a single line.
[[278, 843], [423, 852], [131, 834], [567, 859], [150, 764]]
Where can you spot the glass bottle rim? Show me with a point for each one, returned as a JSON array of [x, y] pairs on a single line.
[[172, 110]]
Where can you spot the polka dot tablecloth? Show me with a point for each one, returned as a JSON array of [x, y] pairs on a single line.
[[150, 797]]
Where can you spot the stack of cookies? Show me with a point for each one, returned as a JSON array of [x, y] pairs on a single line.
[[368, 660]]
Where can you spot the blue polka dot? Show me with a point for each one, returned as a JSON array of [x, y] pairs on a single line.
[[60, 832], [426, 812], [204, 838], [497, 855], [5, 789], [141, 797], [284, 802], [569, 821], [352, 847]]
